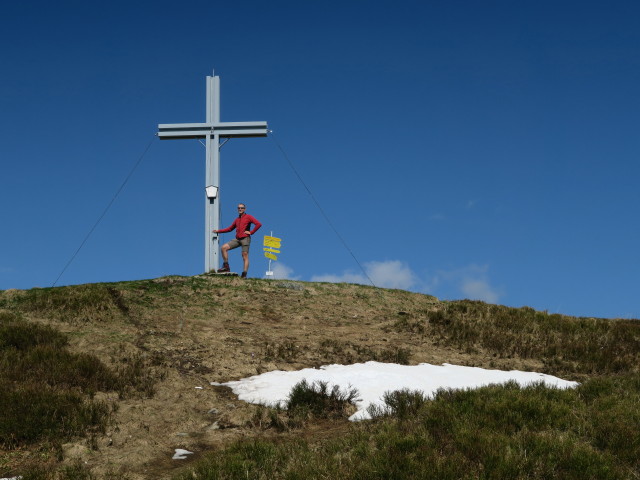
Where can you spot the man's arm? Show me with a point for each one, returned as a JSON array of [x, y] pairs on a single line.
[[225, 230], [256, 224]]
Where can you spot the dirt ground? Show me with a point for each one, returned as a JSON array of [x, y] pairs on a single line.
[[198, 330]]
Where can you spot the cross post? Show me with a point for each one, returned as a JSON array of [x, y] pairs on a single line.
[[212, 131]]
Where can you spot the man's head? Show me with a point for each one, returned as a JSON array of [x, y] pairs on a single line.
[[241, 208]]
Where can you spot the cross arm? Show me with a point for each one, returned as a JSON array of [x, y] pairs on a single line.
[[171, 131]]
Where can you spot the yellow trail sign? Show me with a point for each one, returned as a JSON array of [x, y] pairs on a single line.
[[272, 241], [271, 246]]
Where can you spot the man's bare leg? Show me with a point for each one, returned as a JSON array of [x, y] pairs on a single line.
[[245, 258], [225, 253]]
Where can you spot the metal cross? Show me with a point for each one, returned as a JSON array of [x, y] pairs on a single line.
[[212, 131]]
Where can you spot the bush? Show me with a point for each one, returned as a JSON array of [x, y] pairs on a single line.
[[335, 351], [96, 302], [31, 413], [402, 404], [76, 471], [22, 335], [496, 432], [46, 391], [565, 344], [56, 368], [318, 400]]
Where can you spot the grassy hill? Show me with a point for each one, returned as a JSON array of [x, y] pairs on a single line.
[[99, 381]]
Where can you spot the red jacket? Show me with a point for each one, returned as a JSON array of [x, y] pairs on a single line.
[[241, 224]]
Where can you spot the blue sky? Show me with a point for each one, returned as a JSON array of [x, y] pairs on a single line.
[[464, 149]]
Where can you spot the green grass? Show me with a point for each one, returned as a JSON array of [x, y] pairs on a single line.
[[401, 404], [70, 472], [287, 351], [23, 336], [564, 344], [46, 391], [80, 303], [336, 351], [306, 402], [32, 413], [498, 432], [320, 401]]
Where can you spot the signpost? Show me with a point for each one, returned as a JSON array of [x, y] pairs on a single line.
[[212, 131], [271, 247]]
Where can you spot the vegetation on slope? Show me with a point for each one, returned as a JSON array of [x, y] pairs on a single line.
[[220, 328], [498, 432], [564, 344], [47, 392]]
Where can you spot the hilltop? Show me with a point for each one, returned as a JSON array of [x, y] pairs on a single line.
[[178, 334]]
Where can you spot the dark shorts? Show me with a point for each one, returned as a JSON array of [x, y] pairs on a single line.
[[242, 242]]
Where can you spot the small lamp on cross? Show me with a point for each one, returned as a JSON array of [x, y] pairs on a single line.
[[212, 192]]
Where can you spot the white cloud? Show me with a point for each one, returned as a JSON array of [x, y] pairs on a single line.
[[387, 274], [346, 277], [282, 272], [471, 281], [391, 274], [479, 290]]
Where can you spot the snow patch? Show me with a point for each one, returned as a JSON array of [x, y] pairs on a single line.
[[373, 379]]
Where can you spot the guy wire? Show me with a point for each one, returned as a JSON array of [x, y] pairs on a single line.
[[344, 243], [105, 210]]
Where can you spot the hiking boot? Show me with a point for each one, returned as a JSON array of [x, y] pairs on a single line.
[[225, 268], [244, 275]]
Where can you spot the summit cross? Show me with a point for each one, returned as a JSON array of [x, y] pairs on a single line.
[[212, 131]]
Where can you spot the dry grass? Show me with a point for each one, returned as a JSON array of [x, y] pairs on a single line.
[[564, 344], [499, 432], [117, 337], [46, 391]]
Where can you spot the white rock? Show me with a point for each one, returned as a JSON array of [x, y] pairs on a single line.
[[181, 454]]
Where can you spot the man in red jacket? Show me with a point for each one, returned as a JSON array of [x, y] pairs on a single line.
[[243, 238]]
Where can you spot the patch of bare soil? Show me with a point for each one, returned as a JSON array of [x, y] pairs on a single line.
[[194, 331]]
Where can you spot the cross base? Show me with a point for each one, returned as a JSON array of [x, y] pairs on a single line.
[[224, 274]]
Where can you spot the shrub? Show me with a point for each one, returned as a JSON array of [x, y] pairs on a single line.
[[565, 344], [502, 432], [398, 355], [76, 471], [31, 413], [23, 335], [335, 351], [45, 390], [402, 404], [96, 302], [319, 400]]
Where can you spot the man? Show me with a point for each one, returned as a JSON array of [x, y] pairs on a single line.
[[243, 238]]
